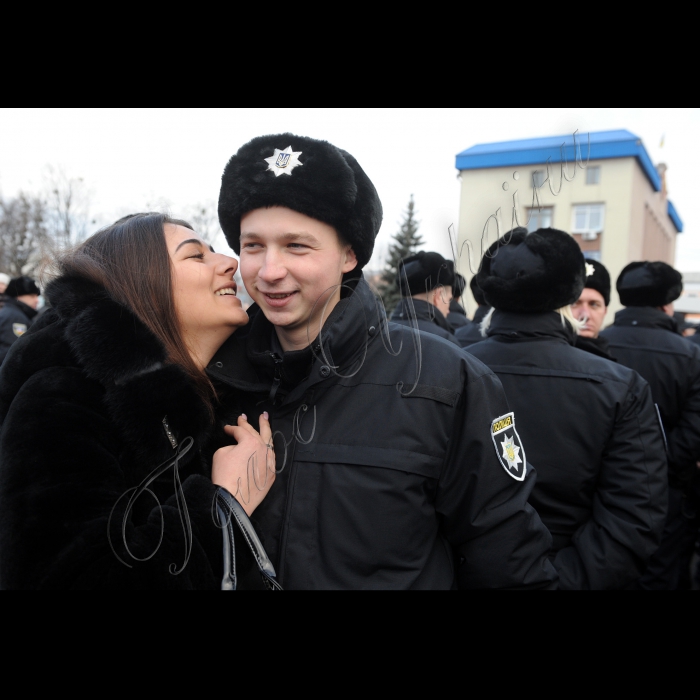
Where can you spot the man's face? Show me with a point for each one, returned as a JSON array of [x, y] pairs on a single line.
[[3, 287], [590, 306], [291, 266]]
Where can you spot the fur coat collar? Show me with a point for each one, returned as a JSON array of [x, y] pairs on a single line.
[[143, 395]]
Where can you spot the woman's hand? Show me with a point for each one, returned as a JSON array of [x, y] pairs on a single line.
[[246, 470]]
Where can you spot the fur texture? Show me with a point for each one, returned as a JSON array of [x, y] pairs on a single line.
[[424, 272], [649, 284], [329, 185], [599, 280], [532, 273], [83, 396]]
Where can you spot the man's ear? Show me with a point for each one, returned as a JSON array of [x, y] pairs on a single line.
[[350, 260]]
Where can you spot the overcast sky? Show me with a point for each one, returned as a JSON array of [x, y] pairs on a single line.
[[134, 158]]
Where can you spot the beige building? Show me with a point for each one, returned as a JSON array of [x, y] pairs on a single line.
[[602, 188]]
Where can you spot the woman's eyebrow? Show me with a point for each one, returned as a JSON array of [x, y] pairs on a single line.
[[190, 240]]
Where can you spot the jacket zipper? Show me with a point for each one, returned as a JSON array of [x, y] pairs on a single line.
[[278, 376]]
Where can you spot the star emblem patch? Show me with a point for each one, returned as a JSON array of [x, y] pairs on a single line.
[[509, 448], [590, 270], [283, 162]]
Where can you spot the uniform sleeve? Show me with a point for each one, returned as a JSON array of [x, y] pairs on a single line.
[[60, 477], [498, 539], [684, 439], [611, 549]]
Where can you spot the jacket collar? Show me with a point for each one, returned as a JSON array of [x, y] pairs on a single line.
[[457, 308], [27, 310], [424, 311], [645, 317], [251, 358], [513, 326]]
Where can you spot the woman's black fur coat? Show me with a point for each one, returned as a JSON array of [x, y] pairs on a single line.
[[83, 399]]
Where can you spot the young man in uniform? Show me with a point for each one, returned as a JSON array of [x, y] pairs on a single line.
[[645, 337], [388, 473]]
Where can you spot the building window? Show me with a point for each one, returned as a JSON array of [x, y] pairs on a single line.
[[539, 218], [539, 177], [593, 175], [592, 254], [588, 219]]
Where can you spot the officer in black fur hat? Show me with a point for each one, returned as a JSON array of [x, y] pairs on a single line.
[[388, 476], [645, 337], [425, 281], [471, 333], [589, 425], [590, 310], [19, 310]]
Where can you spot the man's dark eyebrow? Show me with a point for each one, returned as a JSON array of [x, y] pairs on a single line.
[[191, 240]]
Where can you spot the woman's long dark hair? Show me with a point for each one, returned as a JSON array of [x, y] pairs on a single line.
[[130, 260]]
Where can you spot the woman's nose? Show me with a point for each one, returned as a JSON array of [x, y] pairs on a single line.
[[227, 265]]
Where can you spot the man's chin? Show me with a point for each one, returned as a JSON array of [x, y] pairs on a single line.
[[586, 333]]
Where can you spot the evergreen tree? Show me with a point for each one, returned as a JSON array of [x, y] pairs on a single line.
[[406, 242]]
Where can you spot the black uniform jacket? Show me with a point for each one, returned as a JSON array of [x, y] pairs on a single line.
[[591, 431], [428, 317], [388, 474], [646, 340], [86, 403], [597, 346], [15, 320], [457, 316], [471, 333]]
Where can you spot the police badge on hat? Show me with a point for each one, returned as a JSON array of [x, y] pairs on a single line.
[[509, 448], [283, 162], [19, 329]]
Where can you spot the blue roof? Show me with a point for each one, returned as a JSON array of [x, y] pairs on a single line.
[[603, 144], [673, 215]]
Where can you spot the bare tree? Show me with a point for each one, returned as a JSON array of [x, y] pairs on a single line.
[[205, 219], [24, 237], [67, 208]]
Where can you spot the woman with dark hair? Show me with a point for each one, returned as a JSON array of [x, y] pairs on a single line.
[[106, 415]]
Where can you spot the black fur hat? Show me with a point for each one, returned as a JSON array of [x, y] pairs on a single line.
[[19, 286], [459, 284], [532, 272], [649, 284], [424, 272], [598, 278], [477, 292], [309, 176]]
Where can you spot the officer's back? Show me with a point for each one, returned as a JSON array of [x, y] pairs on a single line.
[[588, 424]]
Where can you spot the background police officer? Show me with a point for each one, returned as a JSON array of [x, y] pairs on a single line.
[[590, 308], [645, 337], [19, 310], [425, 281], [588, 424]]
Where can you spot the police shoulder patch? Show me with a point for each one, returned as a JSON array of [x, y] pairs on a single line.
[[19, 329], [509, 448]]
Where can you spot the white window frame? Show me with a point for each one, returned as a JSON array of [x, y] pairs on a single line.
[[590, 170], [536, 211], [588, 208]]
